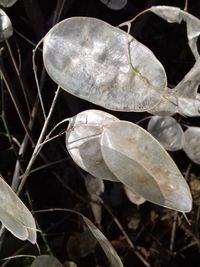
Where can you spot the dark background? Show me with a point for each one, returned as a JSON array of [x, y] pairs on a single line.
[[62, 185]]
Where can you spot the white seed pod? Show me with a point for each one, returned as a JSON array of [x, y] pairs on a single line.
[[100, 63], [167, 131], [167, 106], [14, 215], [139, 161], [83, 142], [115, 4], [176, 15], [6, 29], [7, 3], [192, 144], [46, 260]]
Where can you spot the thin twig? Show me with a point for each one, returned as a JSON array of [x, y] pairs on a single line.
[[40, 139], [50, 164], [16, 174], [36, 78], [186, 5], [16, 257], [15, 102], [126, 236], [173, 232], [19, 77], [27, 40]]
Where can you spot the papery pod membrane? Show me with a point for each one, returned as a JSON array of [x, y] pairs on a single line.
[[167, 131], [115, 4], [142, 164], [14, 215], [176, 15], [186, 92], [100, 63], [183, 98], [192, 144], [6, 29], [133, 197], [7, 3], [167, 106], [83, 142], [46, 261]]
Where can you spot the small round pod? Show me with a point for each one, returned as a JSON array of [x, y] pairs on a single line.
[[167, 131], [191, 144], [6, 29], [138, 160], [115, 4], [83, 142]]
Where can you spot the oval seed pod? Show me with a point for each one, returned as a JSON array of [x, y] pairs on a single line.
[[100, 63], [167, 131], [14, 215], [7, 3], [142, 164], [6, 29], [191, 144], [83, 142]]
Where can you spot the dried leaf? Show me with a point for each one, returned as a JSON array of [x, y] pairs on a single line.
[[14, 215], [6, 29], [95, 61], [192, 144], [134, 197], [83, 142], [143, 165], [95, 187], [7, 3], [176, 15], [115, 4], [167, 131], [46, 261]]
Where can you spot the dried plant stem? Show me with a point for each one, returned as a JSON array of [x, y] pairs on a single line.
[[19, 77], [126, 236], [38, 147], [186, 5], [23, 146], [116, 221], [36, 78], [14, 100], [48, 249], [173, 232], [16, 257]]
